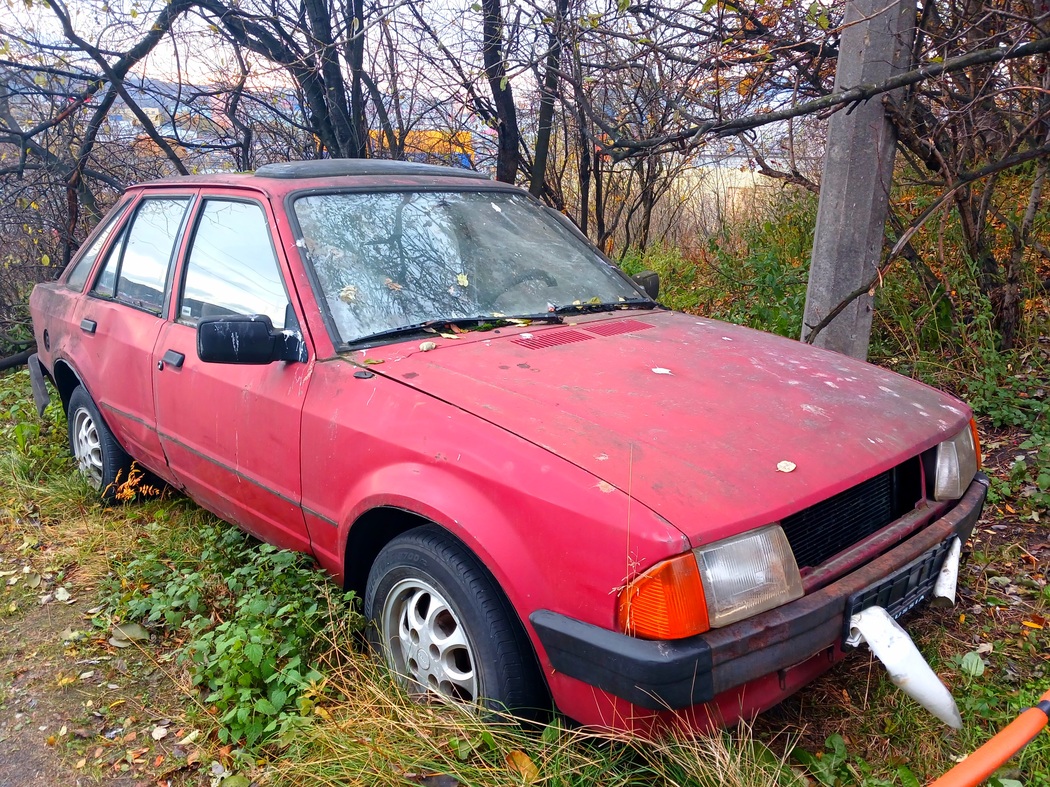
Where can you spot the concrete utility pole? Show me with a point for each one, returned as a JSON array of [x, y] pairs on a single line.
[[858, 170]]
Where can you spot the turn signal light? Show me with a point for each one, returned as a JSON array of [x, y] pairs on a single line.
[[665, 602], [976, 441]]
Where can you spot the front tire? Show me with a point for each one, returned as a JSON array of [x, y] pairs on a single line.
[[444, 627], [100, 459]]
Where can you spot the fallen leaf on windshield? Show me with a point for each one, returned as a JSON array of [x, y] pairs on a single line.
[[393, 285], [348, 294], [785, 466], [461, 280]]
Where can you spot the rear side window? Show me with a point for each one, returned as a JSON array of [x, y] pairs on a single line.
[[232, 267], [106, 282], [148, 251], [78, 273]]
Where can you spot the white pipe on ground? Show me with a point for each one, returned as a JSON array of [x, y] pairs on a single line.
[[907, 668], [944, 588]]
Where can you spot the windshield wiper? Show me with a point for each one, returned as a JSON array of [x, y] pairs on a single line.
[[588, 308], [480, 322]]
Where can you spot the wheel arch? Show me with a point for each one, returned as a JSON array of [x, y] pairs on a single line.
[[66, 381], [367, 536]]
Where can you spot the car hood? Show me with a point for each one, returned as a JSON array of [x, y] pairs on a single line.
[[690, 417]]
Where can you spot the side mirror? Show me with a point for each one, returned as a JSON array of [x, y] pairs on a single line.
[[246, 339], [648, 281]]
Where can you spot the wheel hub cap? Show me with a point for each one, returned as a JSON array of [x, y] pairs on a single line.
[[87, 447], [426, 643]]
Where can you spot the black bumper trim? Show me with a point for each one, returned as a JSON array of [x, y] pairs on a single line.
[[41, 396], [674, 674]]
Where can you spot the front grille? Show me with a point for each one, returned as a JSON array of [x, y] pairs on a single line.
[[825, 529]]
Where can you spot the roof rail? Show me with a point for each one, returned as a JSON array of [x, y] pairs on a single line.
[[322, 168]]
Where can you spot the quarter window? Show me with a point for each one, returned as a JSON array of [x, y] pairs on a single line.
[[232, 267], [82, 267]]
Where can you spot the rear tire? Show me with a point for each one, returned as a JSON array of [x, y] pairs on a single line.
[[445, 628], [100, 459]]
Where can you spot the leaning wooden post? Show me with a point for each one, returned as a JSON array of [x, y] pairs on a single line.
[[858, 171]]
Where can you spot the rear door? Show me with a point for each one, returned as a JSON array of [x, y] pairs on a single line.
[[231, 432], [120, 320]]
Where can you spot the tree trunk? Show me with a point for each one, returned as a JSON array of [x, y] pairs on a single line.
[[550, 84], [508, 136]]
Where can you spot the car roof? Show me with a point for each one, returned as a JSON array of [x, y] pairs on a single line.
[[282, 178]]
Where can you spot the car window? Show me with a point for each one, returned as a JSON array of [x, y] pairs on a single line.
[[80, 269], [232, 267], [391, 259], [148, 251], [107, 277]]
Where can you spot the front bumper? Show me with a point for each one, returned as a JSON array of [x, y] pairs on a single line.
[[675, 674]]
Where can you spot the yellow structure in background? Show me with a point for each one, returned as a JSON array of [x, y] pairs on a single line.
[[453, 147]]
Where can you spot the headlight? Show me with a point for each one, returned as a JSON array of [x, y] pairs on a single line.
[[711, 586], [956, 465], [748, 574]]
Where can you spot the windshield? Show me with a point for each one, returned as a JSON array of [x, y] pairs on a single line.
[[394, 259]]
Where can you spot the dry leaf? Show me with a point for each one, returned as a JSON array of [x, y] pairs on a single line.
[[393, 285], [427, 347], [461, 280], [785, 466], [519, 762]]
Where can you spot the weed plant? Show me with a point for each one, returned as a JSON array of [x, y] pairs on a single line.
[[251, 618]]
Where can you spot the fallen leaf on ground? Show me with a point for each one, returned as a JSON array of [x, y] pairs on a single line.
[[519, 762]]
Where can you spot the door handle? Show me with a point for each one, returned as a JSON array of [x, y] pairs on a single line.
[[171, 358], [88, 326]]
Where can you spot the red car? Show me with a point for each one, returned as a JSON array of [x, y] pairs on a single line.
[[544, 485]]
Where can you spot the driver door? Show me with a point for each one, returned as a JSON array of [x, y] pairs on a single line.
[[231, 432]]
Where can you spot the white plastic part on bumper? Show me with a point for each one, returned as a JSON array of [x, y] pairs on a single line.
[[944, 588], [908, 669]]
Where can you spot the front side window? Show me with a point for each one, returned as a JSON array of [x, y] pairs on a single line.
[[389, 260], [147, 252], [80, 269], [232, 268]]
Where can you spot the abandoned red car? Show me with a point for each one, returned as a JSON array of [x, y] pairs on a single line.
[[545, 486]]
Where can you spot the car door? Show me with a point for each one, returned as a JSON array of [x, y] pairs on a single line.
[[230, 432], [120, 320]]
